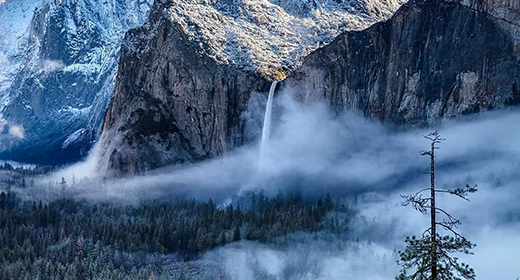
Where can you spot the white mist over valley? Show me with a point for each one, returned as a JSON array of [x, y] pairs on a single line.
[[361, 163]]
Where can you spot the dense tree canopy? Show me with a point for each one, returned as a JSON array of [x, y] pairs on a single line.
[[66, 239]]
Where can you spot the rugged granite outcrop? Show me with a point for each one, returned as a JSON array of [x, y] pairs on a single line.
[[171, 103], [266, 35], [433, 60]]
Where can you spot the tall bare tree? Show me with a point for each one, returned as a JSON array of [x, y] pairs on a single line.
[[430, 257]]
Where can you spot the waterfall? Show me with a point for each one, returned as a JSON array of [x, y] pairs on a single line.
[[266, 130]]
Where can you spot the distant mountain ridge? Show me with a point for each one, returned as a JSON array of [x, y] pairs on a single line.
[[62, 60], [182, 82]]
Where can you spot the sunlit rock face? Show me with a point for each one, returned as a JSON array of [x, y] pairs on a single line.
[[62, 60], [432, 61]]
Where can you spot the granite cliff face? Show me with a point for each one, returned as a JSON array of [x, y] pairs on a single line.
[[171, 103], [185, 77], [432, 60]]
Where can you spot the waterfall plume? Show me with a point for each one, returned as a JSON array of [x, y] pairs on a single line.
[[266, 129]]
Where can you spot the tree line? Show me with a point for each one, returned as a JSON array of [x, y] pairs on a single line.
[[67, 239]]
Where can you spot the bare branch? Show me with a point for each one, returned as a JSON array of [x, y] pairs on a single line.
[[451, 219], [423, 190], [435, 137], [450, 230], [463, 192], [417, 201], [427, 232]]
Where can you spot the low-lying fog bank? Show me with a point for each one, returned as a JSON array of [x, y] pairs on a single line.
[[316, 151]]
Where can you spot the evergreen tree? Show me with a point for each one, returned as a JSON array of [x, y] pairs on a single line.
[[63, 185], [328, 202], [236, 234], [3, 200]]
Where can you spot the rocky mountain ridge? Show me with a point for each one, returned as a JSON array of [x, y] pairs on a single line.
[[186, 76], [432, 60], [59, 57], [262, 36]]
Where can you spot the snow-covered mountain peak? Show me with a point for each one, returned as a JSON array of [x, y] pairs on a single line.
[[267, 35]]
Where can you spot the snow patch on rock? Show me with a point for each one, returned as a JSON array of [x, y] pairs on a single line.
[[58, 61], [74, 137]]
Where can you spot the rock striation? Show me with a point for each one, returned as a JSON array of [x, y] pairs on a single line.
[[172, 103], [433, 60]]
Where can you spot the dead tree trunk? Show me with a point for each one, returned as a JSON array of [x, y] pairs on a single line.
[[435, 138], [432, 211]]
